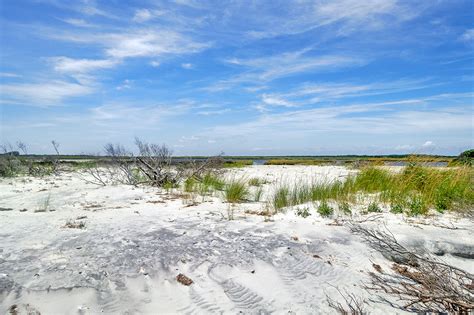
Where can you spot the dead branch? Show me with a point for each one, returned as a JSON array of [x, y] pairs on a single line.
[[421, 282], [353, 305]]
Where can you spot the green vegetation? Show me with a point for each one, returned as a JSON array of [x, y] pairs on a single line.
[[396, 208], [235, 191], [237, 163], [324, 209], [465, 158], [414, 190], [213, 181], [303, 212], [280, 198], [345, 208], [256, 181], [373, 207], [258, 194]]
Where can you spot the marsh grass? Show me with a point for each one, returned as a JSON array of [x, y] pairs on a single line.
[[235, 191], [415, 190]]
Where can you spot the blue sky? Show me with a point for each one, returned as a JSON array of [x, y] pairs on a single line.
[[244, 77]]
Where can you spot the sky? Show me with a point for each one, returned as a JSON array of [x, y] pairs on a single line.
[[302, 77]]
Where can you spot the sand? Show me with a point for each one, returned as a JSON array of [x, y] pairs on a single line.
[[136, 240]]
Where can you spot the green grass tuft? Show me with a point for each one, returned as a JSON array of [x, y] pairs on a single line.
[[235, 191], [324, 209]]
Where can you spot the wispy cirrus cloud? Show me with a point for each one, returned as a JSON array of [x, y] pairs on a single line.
[[269, 68], [42, 94], [137, 43], [81, 66]]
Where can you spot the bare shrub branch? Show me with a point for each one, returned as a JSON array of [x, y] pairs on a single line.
[[352, 304], [419, 281]]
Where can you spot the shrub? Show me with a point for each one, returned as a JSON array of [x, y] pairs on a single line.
[[324, 209], [235, 191]]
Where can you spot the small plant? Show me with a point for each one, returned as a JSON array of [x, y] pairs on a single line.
[[168, 186], [212, 181], [325, 210], [281, 198], [71, 224], [235, 191], [396, 208], [373, 207], [255, 182], [190, 184], [417, 206], [230, 212], [45, 205], [304, 212], [345, 208], [258, 194]]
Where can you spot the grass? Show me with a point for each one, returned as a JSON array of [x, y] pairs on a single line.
[[415, 190], [345, 208], [325, 210], [213, 181], [235, 191], [256, 182], [280, 198], [258, 194], [373, 207], [238, 163]]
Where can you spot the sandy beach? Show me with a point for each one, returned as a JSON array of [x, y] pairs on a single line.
[[71, 247]]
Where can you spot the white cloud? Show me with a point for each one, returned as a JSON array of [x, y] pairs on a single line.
[[342, 16], [150, 43], [266, 69], [142, 15], [214, 112], [187, 66], [349, 119], [468, 36], [404, 147], [9, 75], [155, 63], [74, 66], [139, 43], [42, 94], [126, 84], [428, 144], [78, 22], [276, 101]]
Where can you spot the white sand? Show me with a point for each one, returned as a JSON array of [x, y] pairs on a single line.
[[137, 240]]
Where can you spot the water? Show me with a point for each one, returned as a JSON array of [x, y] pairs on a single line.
[[259, 162]]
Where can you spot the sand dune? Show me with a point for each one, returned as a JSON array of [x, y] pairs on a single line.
[[136, 241]]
